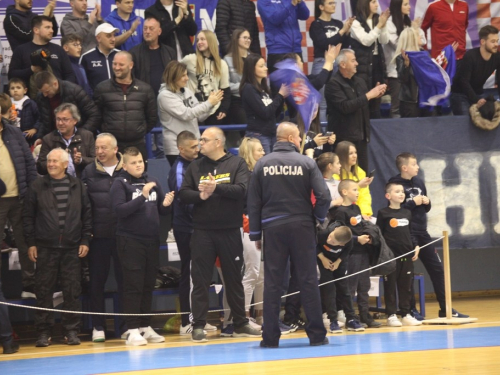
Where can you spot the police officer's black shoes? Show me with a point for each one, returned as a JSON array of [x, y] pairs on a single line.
[[264, 345], [198, 335], [71, 338], [43, 340], [246, 331], [324, 342], [10, 346]]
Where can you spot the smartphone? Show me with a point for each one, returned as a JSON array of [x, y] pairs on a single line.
[[327, 134], [371, 174]]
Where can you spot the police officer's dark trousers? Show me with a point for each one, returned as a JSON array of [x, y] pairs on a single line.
[[295, 241], [206, 245], [52, 263]]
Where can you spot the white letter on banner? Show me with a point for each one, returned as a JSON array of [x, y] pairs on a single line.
[[206, 22], [494, 161], [465, 195]]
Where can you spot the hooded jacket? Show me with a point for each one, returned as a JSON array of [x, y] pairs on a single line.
[[179, 111], [81, 27], [98, 183], [224, 208], [280, 190], [137, 216], [17, 26], [136, 38]]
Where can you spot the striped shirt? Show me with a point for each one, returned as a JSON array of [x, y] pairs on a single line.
[[61, 190]]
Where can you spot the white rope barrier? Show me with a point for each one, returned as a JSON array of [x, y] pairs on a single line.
[[210, 311]]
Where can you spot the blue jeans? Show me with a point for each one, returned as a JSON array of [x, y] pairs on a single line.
[[267, 141], [460, 103], [316, 68]]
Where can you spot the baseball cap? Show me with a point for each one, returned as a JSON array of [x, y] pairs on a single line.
[[105, 28]]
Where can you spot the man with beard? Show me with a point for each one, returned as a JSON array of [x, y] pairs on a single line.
[[22, 66], [17, 21], [477, 66]]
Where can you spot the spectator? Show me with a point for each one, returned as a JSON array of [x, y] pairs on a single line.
[[98, 177], [79, 23], [281, 25], [18, 21], [347, 98], [177, 25], [179, 110], [129, 25], [6, 333], [233, 15], [127, 105], [57, 238], [78, 143], [317, 142], [448, 21], [259, 108], [17, 171], [52, 92], [326, 31], [329, 164], [97, 62], [477, 66], [72, 45], [238, 50], [28, 117], [21, 65], [207, 72], [151, 57], [218, 201], [368, 34], [138, 200]]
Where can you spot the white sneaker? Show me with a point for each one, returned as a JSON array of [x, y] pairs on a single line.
[[98, 336], [150, 335], [209, 327], [254, 324], [409, 320], [393, 321], [185, 330], [124, 335], [135, 338], [326, 321], [341, 317]]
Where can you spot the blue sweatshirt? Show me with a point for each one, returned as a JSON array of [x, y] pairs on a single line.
[[183, 213], [118, 22]]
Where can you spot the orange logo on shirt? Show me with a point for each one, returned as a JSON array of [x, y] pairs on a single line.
[[355, 220], [393, 223]]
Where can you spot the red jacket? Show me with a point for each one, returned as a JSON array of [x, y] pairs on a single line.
[[447, 26]]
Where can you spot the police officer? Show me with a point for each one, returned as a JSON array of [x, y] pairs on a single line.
[[279, 201]]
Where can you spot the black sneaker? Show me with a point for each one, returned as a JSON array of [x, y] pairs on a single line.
[[71, 338], [417, 315], [324, 342], [368, 320], [43, 340], [198, 335], [10, 346], [294, 326], [454, 314], [246, 331]]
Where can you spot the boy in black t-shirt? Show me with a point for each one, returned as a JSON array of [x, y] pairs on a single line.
[[334, 246], [394, 222], [359, 258]]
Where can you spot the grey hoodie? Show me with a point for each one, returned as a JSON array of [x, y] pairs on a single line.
[[179, 111], [81, 27]]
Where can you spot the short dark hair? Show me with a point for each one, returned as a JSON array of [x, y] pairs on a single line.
[[185, 135], [151, 17], [289, 56], [17, 80], [44, 78], [344, 184], [324, 159], [487, 30], [403, 159], [130, 151], [343, 234], [388, 187], [38, 20], [5, 103], [70, 38]]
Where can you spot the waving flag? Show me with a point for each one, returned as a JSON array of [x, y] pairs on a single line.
[[305, 98], [434, 82]]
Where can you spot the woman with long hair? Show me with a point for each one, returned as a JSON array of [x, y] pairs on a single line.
[[238, 50], [259, 107], [179, 108], [207, 72], [251, 151], [350, 169], [368, 34]]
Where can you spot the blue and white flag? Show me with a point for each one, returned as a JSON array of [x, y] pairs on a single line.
[[304, 96], [434, 82]]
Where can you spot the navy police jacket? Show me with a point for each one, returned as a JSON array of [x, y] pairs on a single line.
[[280, 190]]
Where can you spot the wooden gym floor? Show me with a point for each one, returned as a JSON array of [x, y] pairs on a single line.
[[425, 350]]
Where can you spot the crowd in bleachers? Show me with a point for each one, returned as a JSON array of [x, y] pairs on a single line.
[[84, 107]]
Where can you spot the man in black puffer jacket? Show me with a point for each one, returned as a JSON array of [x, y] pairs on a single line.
[[232, 14], [128, 105], [54, 92]]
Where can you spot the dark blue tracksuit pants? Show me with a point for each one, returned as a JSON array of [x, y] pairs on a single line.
[[295, 241]]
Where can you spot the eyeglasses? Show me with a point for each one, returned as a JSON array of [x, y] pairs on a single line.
[[245, 38], [206, 140], [64, 120]]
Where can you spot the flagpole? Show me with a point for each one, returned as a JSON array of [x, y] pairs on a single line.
[[303, 143]]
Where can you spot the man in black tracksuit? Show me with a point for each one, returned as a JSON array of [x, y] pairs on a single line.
[[279, 201], [216, 185]]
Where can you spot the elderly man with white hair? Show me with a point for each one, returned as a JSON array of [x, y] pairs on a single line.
[[57, 227]]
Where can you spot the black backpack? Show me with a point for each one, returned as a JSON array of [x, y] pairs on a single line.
[[168, 277]]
